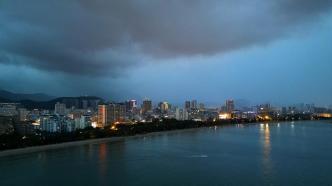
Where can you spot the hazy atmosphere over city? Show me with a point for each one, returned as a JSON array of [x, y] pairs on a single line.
[[169, 50], [165, 92]]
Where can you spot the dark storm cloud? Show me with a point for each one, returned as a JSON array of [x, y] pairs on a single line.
[[102, 37]]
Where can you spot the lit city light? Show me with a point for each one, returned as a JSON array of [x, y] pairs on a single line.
[[224, 116], [118, 92]]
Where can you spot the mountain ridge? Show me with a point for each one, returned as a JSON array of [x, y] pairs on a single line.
[[28, 102], [24, 96]]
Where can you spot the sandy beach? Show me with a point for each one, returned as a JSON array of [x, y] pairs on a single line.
[[99, 140], [33, 149]]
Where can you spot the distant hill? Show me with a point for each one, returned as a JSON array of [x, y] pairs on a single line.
[[6, 95], [43, 101], [77, 102]]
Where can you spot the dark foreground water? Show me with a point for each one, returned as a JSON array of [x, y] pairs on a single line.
[[297, 153]]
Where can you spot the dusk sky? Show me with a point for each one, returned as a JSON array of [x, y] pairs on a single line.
[[276, 51]]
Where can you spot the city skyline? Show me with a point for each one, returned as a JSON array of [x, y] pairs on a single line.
[[129, 54], [139, 101], [165, 92]]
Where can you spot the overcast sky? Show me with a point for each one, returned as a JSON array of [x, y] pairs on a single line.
[[276, 51]]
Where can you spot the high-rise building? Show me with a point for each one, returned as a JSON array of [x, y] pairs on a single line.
[[131, 105], [102, 116], [111, 113], [84, 121], [49, 124], [60, 108], [194, 104], [187, 105], [23, 114], [147, 106], [230, 106], [265, 109], [311, 108], [69, 125], [181, 114], [164, 107], [116, 112]]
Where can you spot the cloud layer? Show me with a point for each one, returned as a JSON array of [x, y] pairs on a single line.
[[102, 37]]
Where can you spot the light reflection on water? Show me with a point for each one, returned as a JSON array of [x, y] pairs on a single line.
[[259, 154], [266, 160], [102, 161]]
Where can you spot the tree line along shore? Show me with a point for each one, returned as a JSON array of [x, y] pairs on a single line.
[[15, 140]]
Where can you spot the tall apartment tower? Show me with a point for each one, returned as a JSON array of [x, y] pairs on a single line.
[[164, 107], [194, 104], [102, 116], [230, 105], [60, 108], [187, 105], [116, 112], [147, 106]]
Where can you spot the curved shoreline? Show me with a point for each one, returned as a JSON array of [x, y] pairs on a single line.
[[33, 149]]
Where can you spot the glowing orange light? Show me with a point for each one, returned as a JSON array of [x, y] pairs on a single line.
[[224, 116]]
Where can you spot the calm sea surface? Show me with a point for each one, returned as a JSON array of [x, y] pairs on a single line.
[[297, 153]]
